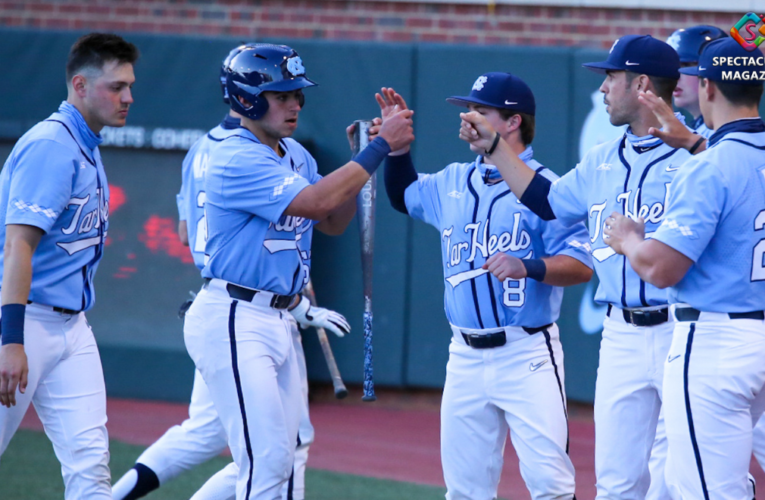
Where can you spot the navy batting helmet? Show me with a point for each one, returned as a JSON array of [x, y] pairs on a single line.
[[688, 42], [224, 65], [262, 68]]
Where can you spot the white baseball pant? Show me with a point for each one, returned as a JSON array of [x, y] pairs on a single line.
[[628, 395], [202, 437], [713, 386], [758, 442], [245, 354], [66, 386], [517, 386]]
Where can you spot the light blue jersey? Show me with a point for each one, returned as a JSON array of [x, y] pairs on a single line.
[[54, 180], [191, 198], [630, 175], [699, 127], [477, 220], [716, 218], [250, 241]]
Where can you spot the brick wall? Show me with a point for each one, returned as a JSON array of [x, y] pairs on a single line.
[[348, 20]]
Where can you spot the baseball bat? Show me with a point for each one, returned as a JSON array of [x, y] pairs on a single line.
[[334, 371], [365, 212]]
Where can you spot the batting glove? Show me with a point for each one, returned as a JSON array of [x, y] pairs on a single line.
[[307, 315]]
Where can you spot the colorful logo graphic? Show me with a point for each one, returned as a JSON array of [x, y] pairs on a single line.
[[743, 32]]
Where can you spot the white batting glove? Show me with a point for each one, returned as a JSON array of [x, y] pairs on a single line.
[[308, 315]]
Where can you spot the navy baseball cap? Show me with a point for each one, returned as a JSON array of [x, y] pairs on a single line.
[[725, 60], [642, 54], [499, 90]]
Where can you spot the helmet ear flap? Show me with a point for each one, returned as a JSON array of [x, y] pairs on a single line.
[[258, 103]]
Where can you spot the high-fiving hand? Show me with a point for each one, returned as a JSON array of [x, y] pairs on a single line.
[[475, 130]]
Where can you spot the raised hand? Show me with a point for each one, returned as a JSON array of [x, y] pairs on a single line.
[[389, 101], [673, 132], [397, 129], [475, 130]]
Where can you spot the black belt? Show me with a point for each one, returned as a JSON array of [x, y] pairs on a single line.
[[496, 338], [639, 317], [692, 314], [247, 294], [62, 310]]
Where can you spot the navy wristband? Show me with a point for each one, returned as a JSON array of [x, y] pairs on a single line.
[[12, 324], [372, 155], [535, 269]]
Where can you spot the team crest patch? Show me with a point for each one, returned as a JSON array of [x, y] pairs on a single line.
[[295, 66], [478, 85]]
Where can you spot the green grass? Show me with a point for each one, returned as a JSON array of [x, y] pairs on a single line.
[[29, 470]]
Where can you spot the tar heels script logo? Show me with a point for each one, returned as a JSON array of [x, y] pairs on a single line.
[[83, 222]]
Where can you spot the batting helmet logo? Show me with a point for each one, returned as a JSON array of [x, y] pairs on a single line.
[[295, 66]]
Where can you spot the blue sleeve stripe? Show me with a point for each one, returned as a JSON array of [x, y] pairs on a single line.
[[535, 197]]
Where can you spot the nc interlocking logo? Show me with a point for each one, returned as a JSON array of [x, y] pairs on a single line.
[[743, 32]]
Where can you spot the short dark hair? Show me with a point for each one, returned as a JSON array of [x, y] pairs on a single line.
[[662, 86], [96, 49], [528, 124], [737, 94]]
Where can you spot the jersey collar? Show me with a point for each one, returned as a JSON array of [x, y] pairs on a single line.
[[490, 172], [647, 142], [744, 125], [230, 123], [90, 139]]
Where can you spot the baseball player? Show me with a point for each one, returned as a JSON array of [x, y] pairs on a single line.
[[632, 175], [504, 269], [688, 43], [202, 436], [709, 253], [54, 202], [263, 197]]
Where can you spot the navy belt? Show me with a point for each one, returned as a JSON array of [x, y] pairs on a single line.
[[639, 317], [692, 314], [62, 310], [495, 339], [247, 294]]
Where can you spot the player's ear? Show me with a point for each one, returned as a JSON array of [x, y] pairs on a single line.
[[514, 123], [79, 83]]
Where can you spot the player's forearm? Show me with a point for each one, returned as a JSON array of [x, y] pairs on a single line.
[[637, 251], [337, 222], [563, 270], [20, 245], [656, 262], [515, 173]]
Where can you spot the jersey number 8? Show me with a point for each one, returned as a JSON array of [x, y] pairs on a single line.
[[514, 295]]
